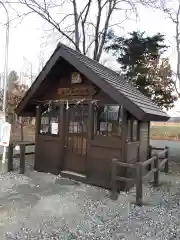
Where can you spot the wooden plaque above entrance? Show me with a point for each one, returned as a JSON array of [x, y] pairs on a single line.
[[77, 91]]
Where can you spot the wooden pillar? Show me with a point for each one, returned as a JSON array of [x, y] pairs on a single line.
[[138, 130], [62, 131], [90, 136], [38, 120], [37, 129], [22, 158], [10, 157], [122, 170], [131, 123], [149, 129], [166, 167], [156, 173], [90, 122], [149, 167], [139, 184], [124, 134], [114, 190], [138, 139], [138, 154]]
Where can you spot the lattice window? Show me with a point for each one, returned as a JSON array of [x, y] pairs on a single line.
[[49, 121], [107, 121]]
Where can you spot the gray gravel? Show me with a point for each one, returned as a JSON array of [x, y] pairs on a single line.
[[43, 206]]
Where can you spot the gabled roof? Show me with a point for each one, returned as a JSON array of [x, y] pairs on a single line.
[[109, 81]]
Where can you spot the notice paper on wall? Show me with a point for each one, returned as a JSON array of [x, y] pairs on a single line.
[[104, 126], [54, 128]]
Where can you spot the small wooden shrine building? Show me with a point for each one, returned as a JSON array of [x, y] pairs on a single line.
[[86, 114]]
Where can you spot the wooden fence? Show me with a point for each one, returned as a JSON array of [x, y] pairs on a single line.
[[158, 162], [21, 155]]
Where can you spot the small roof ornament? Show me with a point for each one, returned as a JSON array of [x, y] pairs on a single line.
[[76, 78]]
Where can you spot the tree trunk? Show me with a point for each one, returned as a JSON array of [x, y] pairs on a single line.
[[76, 24]]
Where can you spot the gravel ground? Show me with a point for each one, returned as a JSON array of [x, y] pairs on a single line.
[[41, 206]]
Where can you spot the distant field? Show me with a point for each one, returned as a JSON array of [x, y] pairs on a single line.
[[165, 124], [167, 130]]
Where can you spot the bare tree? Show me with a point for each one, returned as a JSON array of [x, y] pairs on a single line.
[[172, 10], [14, 96], [83, 24], [41, 61]]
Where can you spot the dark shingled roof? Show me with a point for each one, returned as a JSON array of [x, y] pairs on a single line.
[[109, 81]]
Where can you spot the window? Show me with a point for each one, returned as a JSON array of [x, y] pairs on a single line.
[[49, 121], [77, 127], [107, 121], [78, 118], [44, 122]]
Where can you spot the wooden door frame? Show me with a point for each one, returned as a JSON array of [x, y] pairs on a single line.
[[62, 135], [64, 129]]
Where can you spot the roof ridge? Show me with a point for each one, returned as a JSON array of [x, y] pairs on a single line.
[[116, 75], [108, 69], [111, 82], [117, 79]]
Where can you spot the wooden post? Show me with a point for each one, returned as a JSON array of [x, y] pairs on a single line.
[[10, 157], [90, 128], [138, 153], [114, 193], [149, 156], [21, 129], [156, 173], [123, 156], [166, 167], [61, 127], [38, 119], [37, 130], [22, 159], [139, 184]]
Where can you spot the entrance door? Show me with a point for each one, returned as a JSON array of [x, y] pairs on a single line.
[[76, 138]]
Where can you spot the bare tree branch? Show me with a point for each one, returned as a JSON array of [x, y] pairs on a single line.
[[112, 5], [76, 24], [87, 8], [43, 12], [85, 31], [89, 46], [97, 29]]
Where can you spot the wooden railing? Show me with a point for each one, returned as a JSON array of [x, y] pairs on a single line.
[[139, 167], [21, 155]]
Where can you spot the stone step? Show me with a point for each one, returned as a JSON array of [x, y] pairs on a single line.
[[73, 175]]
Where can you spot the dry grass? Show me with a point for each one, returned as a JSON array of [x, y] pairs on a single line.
[[165, 130], [162, 124]]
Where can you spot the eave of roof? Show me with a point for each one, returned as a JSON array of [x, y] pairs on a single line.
[[136, 107]]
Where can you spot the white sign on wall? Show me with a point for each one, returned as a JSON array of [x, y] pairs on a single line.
[[54, 128], [5, 131]]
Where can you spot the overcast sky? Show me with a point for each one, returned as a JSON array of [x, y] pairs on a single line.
[[27, 38]]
